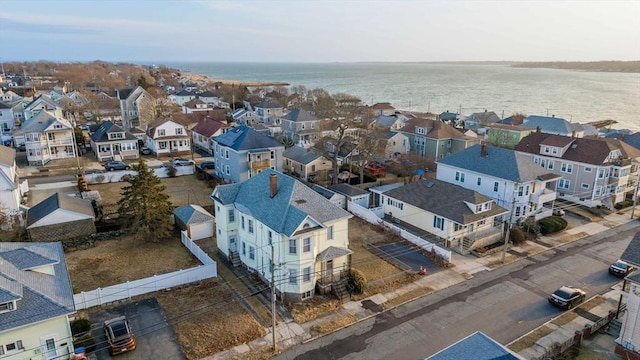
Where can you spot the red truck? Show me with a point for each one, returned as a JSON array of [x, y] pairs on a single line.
[[376, 170]]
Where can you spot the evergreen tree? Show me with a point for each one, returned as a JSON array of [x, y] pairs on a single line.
[[144, 209]]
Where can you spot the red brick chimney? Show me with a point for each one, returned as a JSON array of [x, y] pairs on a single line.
[[273, 185], [483, 149]]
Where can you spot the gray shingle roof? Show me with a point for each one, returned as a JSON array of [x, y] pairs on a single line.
[[385, 121], [476, 346], [286, 211], [41, 296], [106, 128], [193, 214], [25, 259], [501, 163], [42, 121], [58, 201], [348, 190], [245, 138], [328, 194], [444, 199], [300, 115], [7, 155], [332, 252], [301, 155], [548, 124], [632, 253]]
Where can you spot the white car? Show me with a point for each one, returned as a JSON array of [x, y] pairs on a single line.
[[182, 162]]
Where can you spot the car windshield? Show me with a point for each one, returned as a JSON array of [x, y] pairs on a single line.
[[119, 329], [620, 265], [563, 293]]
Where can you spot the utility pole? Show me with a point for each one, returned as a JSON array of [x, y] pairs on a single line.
[[508, 233], [273, 298], [635, 198]]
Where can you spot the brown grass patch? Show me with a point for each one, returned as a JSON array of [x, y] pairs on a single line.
[[564, 318], [124, 259], [312, 308], [530, 339], [407, 296], [569, 238], [333, 325], [509, 258], [214, 322], [386, 286], [263, 353], [598, 300]]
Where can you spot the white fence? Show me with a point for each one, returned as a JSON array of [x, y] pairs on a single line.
[[87, 299], [117, 176], [375, 215]]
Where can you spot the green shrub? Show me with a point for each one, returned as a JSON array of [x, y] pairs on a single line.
[[517, 236], [552, 224], [86, 341], [530, 226], [623, 204], [357, 280], [80, 326]]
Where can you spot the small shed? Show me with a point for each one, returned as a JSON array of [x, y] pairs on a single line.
[[352, 193], [60, 217], [195, 220]]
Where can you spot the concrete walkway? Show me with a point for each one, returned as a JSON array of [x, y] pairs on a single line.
[[465, 266]]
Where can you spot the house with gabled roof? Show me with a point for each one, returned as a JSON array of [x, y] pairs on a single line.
[[269, 111], [246, 117], [195, 220], [505, 135], [10, 97], [60, 217], [593, 171], [382, 108], [203, 133], [42, 102], [7, 123], [36, 300], [183, 96], [272, 213], [306, 164], [136, 107], [463, 218], [10, 190], [301, 126], [196, 105], [242, 153], [47, 137], [166, 137], [553, 125], [511, 179], [389, 122], [398, 144], [434, 138], [481, 119], [110, 142]]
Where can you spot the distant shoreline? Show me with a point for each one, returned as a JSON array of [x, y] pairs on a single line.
[[594, 66], [199, 77]]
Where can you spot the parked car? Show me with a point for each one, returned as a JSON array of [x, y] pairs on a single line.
[[567, 297], [182, 162], [145, 150], [116, 165], [558, 212], [119, 335], [620, 268], [207, 165]]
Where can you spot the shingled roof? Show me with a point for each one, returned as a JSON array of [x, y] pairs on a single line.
[[444, 199], [245, 138], [476, 346], [192, 214], [299, 115], [58, 201], [106, 128], [284, 212], [207, 127], [301, 155], [39, 295], [436, 129]]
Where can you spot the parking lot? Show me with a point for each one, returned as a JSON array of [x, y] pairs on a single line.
[[154, 336]]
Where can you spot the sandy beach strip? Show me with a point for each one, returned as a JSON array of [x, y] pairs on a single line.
[[203, 78]]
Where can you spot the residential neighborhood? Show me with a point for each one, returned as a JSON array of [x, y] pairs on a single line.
[[268, 219]]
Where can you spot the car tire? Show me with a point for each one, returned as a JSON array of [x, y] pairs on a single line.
[[111, 169], [127, 168]]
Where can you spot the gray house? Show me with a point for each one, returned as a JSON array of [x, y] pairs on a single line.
[[302, 127], [242, 153]]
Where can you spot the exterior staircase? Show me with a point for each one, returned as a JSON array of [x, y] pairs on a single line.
[[235, 259], [340, 289], [614, 327]]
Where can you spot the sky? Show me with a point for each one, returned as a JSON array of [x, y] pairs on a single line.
[[319, 31]]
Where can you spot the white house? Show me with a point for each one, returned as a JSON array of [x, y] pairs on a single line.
[[397, 144], [36, 301], [6, 119], [272, 213], [47, 137], [42, 102], [168, 138], [510, 179], [10, 189], [136, 107]]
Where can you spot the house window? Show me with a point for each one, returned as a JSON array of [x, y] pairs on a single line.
[[226, 153], [306, 245], [567, 168], [232, 216], [161, 132], [550, 165], [250, 226], [564, 184], [457, 227], [293, 276], [487, 206], [546, 149], [330, 233], [8, 306], [459, 176], [520, 190], [478, 208], [270, 237], [306, 274], [438, 222], [482, 222], [273, 155], [242, 222], [307, 294], [244, 248], [518, 211], [554, 151], [479, 181], [228, 169], [587, 169], [11, 347], [420, 130], [252, 253], [178, 131], [495, 186], [293, 246], [585, 186], [600, 173]]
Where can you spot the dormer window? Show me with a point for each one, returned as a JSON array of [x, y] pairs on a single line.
[[7, 306], [554, 151], [420, 130]]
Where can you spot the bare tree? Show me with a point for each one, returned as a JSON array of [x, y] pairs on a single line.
[[369, 148], [330, 147]]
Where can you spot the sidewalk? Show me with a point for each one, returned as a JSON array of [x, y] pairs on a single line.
[[291, 333]]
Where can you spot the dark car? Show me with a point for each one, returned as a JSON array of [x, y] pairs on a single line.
[[145, 150], [116, 165], [567, 297], [620, 269], [207, 165], [119, 335]]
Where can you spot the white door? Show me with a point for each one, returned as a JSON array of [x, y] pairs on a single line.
[[233, 246], [49, 348]]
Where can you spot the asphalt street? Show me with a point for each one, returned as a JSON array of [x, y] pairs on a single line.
[[504, 303]]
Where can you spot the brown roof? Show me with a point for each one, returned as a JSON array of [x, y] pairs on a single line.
[[207, 127], [583, 150], [436, 129], [382, 106]]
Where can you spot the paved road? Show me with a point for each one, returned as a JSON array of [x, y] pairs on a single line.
[[504, 303]]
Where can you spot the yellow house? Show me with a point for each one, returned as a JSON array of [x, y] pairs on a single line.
[[36, 299]]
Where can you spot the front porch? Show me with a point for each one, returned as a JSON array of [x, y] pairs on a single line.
[[333, 279]]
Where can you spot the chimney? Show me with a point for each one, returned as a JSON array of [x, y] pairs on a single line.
[[273, 185], [483, 150]]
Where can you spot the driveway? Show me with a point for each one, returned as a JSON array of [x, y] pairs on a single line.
[[154, 336], [406, 257]]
